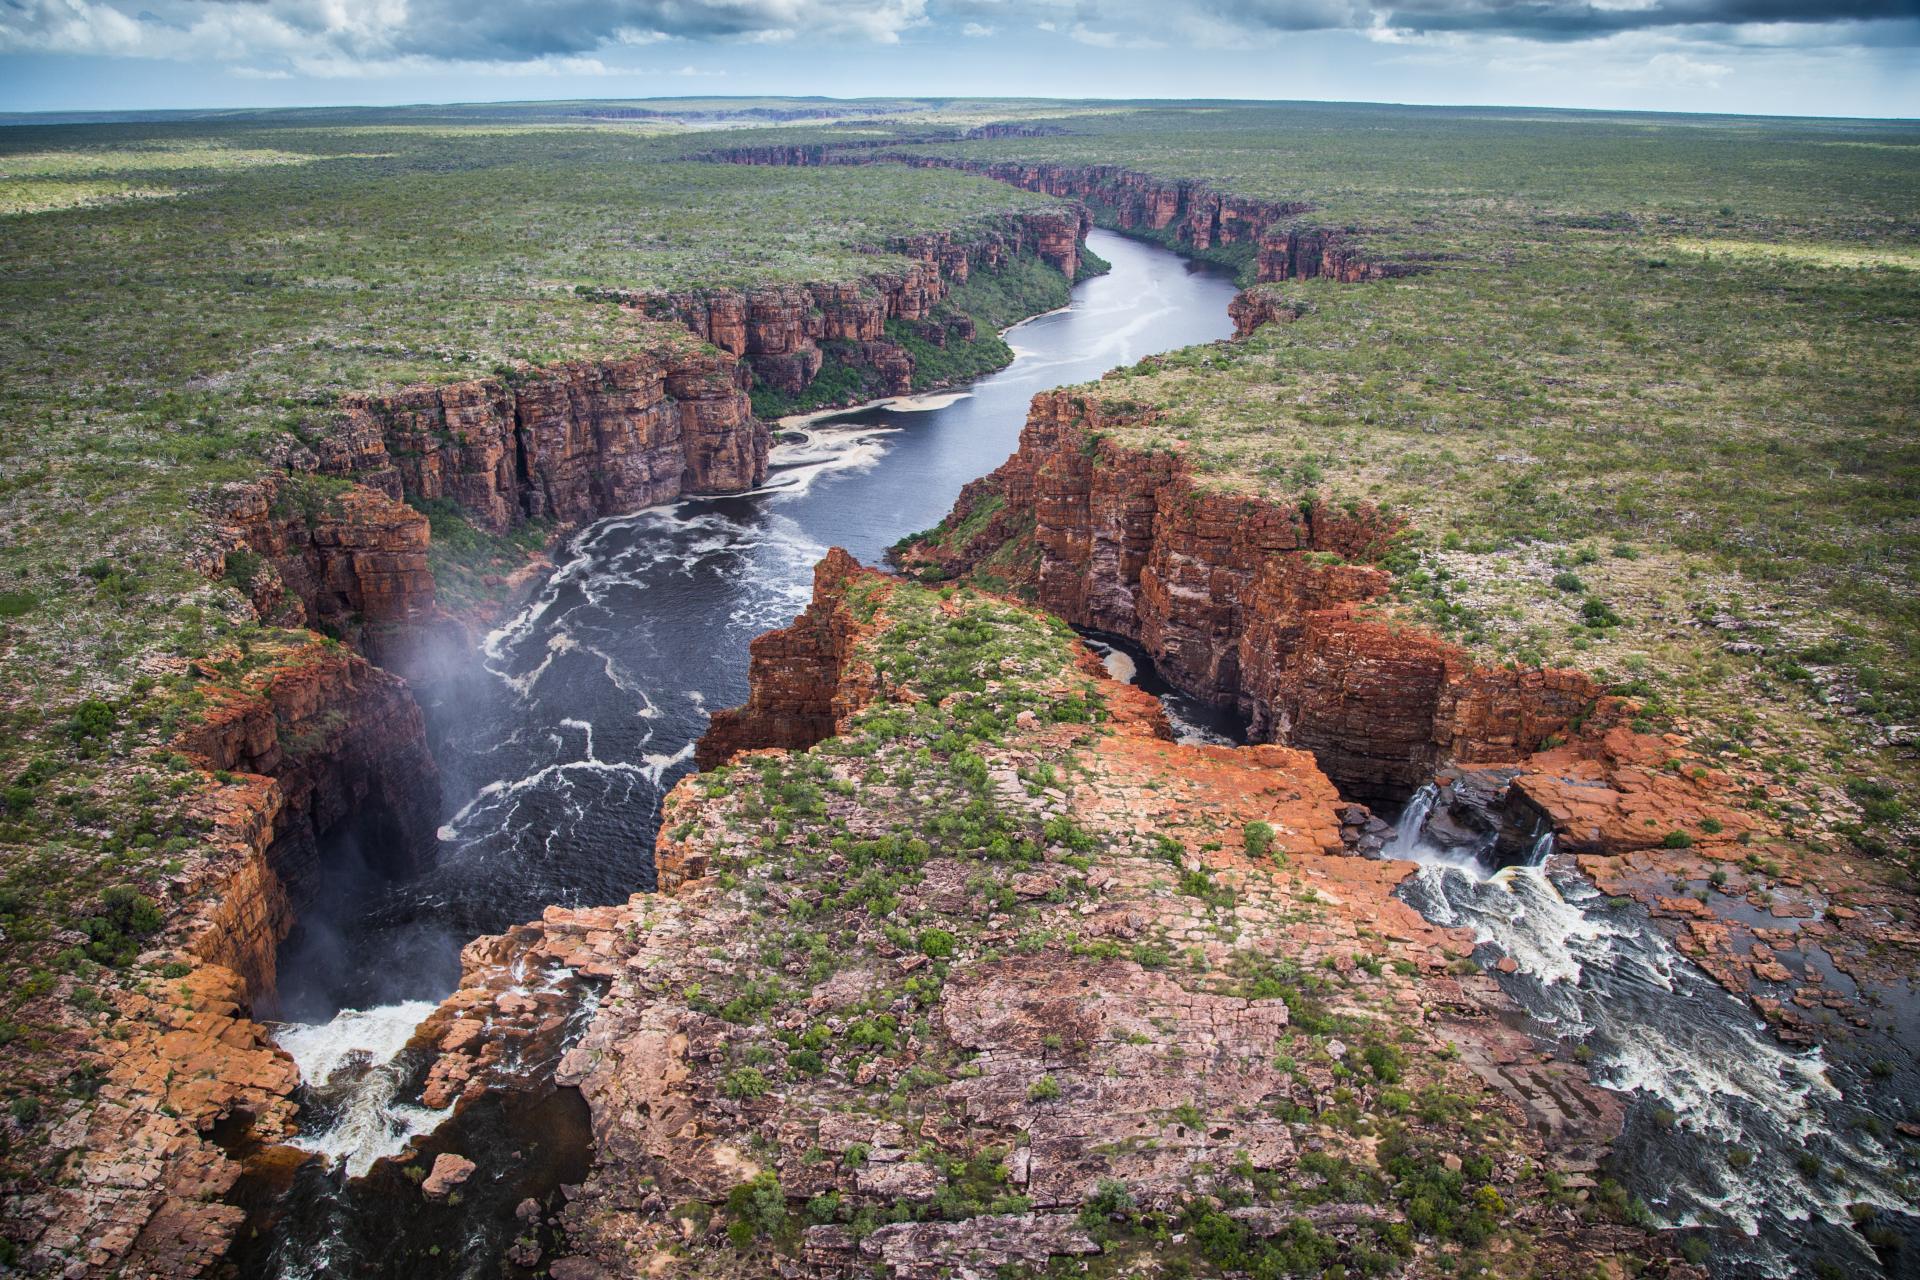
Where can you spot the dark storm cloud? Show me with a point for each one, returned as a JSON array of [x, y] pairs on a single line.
[[1562, 20]]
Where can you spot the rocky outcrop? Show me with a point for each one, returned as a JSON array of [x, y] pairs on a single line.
[[351, 563], [142, 1185], [1245, 603], [991, 1040], [339, 748], [567, 442], [1254, 307], [801, 685]]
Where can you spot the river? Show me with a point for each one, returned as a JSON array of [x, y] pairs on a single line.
[[580, 711], [567, 729]]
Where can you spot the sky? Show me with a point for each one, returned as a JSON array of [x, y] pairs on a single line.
[[1786, 57]]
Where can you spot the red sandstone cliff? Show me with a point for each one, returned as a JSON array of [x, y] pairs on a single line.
[[358, 560], [568, 442], [336, 747], [1228, 595], [777, 329], [1193, 214], [802, 688]]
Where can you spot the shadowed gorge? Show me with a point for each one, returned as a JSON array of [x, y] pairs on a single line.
[[958, 687]]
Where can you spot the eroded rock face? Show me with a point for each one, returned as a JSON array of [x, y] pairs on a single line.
[[801, 688], [777, 329], [1193, 214], [1246, 603], [1079, 1023], [344, 746], [567, 442], [355, 565]]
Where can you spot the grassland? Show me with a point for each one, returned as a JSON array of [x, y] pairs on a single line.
[[180, 298], [1661, 371]]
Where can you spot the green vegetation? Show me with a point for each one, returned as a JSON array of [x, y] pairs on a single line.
[[1653, 370], [184, 305]]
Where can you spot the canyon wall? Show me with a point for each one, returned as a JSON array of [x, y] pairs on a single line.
[[1243, 602], [567, 442], [1192, 215], [802, 686], [330, 748], [777, 329]]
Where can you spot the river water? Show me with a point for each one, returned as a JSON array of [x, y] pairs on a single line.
[[560, 737], [579, 712]]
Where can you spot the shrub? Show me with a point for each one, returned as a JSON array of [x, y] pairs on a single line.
[[936, 943], [1045, 1089], [756, 1209], [1258, 837], [746, 1082], [1676, 840]]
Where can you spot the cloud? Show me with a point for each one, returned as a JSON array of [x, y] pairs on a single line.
[[451, 31], [365, 37], [1551, 20]]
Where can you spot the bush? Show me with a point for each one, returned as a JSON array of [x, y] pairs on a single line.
[[1045, 1089], [756, 1209], [126, 916], [1258, 837], [1677, 840], [747, 1082], [936, 943]]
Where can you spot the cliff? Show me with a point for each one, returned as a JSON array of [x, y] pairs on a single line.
[[567, 442], [352, 563], [778, 329], [342, 746], [801, 686], [917, 999], [1242, 602], [1191, 215]]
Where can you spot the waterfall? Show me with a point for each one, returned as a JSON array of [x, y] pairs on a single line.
[[1704, 1074], [354, 1066], [1541, 848], [1413, 820]]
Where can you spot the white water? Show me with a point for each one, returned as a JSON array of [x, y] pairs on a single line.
[[1662, 1031], [351, 1064]]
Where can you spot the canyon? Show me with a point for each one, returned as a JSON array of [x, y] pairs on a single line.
[[1005, 1008], [1191, 216], [1243, 603], [1280, 614]]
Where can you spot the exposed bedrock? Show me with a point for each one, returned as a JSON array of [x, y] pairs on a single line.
[[802, 686], [1193, 215], [336, 751], [777, 329], [566, 442], [354, 565], [1244, 602]]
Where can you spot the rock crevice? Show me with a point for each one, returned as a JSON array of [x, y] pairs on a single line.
[[1245, 602]]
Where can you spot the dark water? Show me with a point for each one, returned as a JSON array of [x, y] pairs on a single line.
[[557, 742], [1767, 1152], [557, 747]]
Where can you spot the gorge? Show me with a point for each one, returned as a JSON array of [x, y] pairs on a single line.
[[1194, 851]]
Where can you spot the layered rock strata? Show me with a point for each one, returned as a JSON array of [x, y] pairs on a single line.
[[355, 565], [1243, 602], [777, 329], [567, 442], [1193, 215], [330, 747], [789, 1074], [800, 688]]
